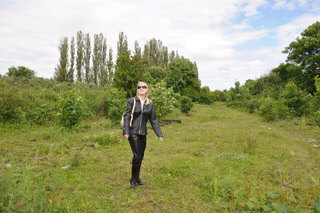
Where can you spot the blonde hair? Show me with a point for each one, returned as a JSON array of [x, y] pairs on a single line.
[[147, 99]]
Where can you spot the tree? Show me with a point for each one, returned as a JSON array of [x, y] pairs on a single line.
[[71, 69], [137, 49], [163, 99], [62, 67], [21, 71], [87, 56], [205, 96], [305, 52], [128, 72], [103, 62], [183, 78], [155, 53], [110, 67], [155, 74], [96, 58], [122, 44], [80, 55], [288, 72]]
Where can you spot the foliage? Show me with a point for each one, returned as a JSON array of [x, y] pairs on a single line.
[[304, 51], [163, 99], [317, 117], [295, 99], [272, 80], [205, 96], [115, 104], [62, 67], [185, 104], [272, 110], [72, 109], [218, 95], [11, 104], [155, 74], [252, 104], [288, 72], [237, 96], [128, 72], [183, 78], [20, 72]]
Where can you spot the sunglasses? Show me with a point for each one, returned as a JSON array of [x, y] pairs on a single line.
[[142, 87]]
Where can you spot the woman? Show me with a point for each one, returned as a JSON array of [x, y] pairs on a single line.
[[135, 129]]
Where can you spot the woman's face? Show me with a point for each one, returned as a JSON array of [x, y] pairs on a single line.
[[142, 89]]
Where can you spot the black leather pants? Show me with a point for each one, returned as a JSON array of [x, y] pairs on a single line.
[[138, 145]]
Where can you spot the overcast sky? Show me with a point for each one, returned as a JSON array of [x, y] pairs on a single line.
[[231, 40]]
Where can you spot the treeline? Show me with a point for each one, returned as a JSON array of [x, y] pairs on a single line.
[[291, 89], [84, 60], [87, 83]]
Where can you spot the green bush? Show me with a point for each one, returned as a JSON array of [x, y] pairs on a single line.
[[317, 117], [252, 104], [72, 109], [11, 105], [39, 114], [295, 99], [267, 110], [155, 74], [21, 72], [115, 104], [163, 99], [272, 110], [218, 95], [205, 96], [185, 104]]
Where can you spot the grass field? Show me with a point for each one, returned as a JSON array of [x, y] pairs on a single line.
[[217, 160]]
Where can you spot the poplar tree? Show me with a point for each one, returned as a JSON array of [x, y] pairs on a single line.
[[96, 57], [172, 56], [80, 56], [137, 49], [156, 53], [62, 67], [72, 52], [122, 45], [110, 67], [87, 57], [164, 56], [103, 62]]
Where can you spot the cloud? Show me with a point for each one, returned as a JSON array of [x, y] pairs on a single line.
[[289, 4], [203, 31]]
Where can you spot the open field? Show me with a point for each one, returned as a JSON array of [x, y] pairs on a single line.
[[217, 160]]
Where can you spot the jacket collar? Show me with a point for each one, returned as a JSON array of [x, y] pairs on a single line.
[[137, 99]]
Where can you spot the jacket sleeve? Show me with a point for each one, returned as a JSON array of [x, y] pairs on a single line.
[[154, 122], [127, 117]]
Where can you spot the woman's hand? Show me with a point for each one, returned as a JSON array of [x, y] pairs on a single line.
[[126, 136], [160, 138]]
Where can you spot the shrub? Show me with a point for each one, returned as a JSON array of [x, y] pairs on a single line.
[[21, 71], [272, 110], [317, 117], [72, 109], [218, 95], [39, 114], [11, 104], [155, 74], [252, 104], [267, 110], [115, 104], [295, 99], [205, 96], [185, 104], [163, 99]]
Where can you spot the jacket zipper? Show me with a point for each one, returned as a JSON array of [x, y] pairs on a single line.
[[141, 118]]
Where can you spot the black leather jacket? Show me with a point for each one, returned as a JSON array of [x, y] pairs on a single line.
[[140, 119]]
